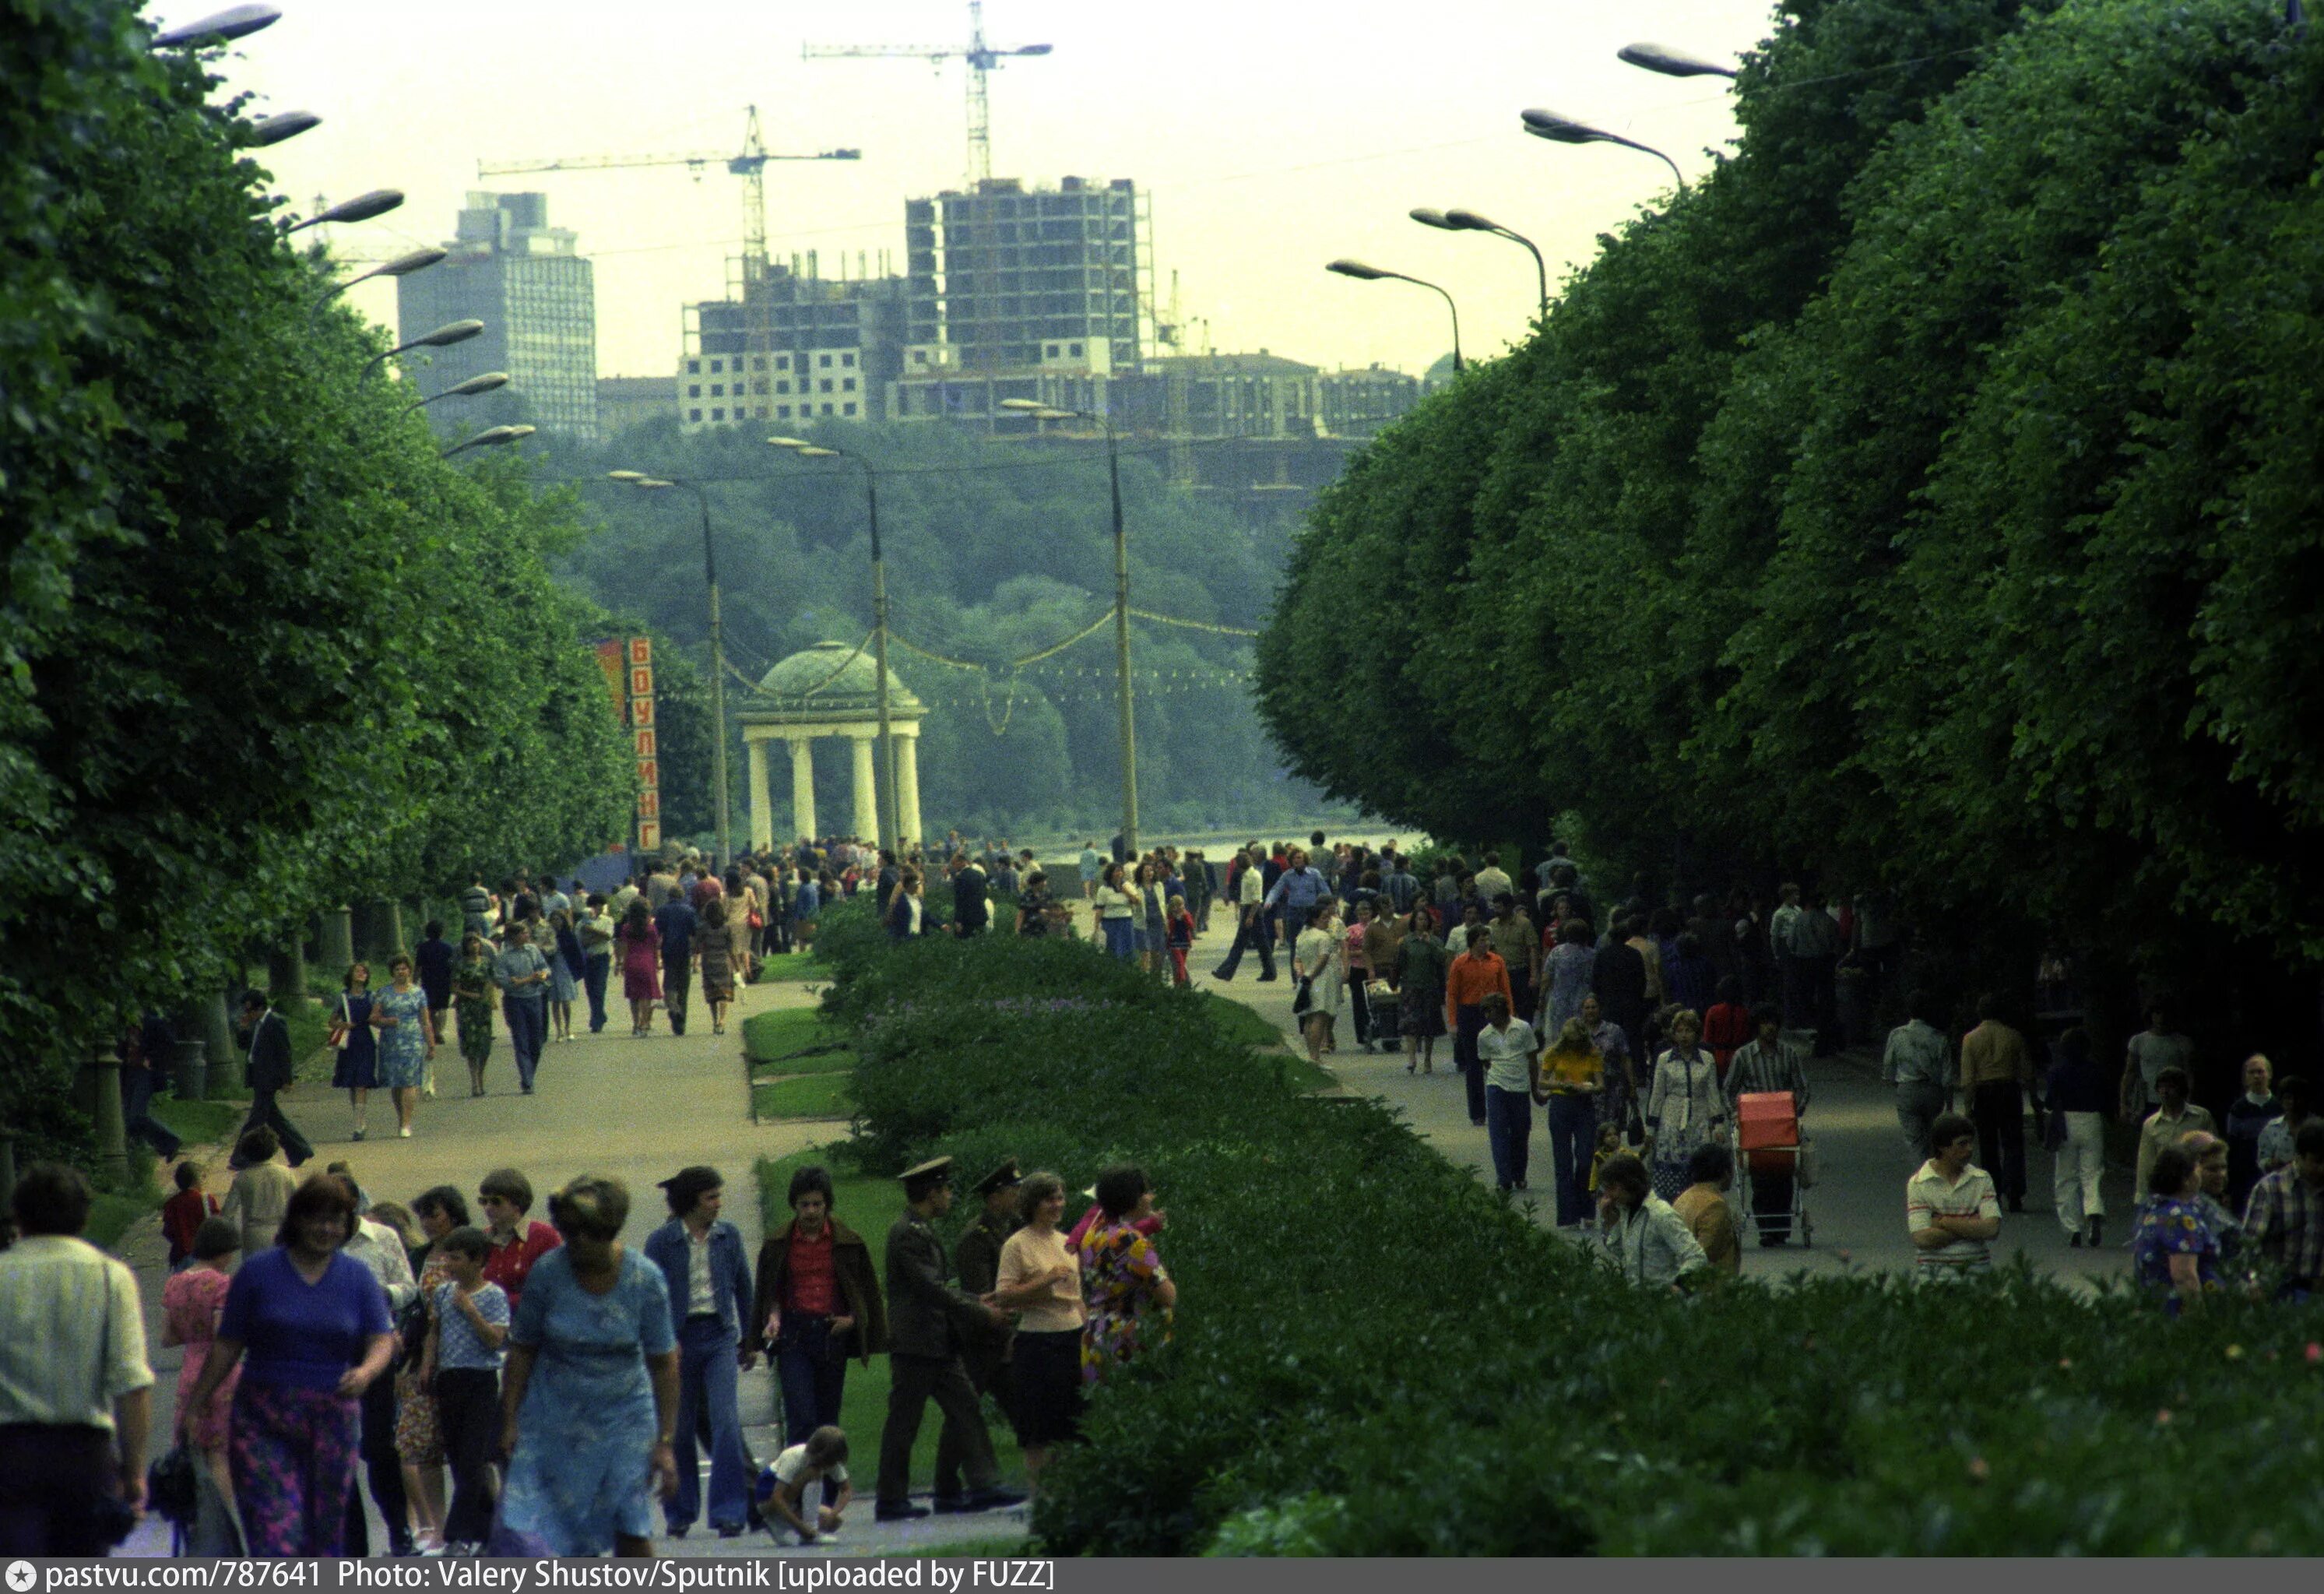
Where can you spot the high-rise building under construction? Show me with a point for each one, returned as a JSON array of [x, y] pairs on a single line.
[[528, 283]]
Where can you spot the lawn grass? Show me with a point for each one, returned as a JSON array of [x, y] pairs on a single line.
[[811, 1095], [871, 1207], [1239, 1022], [790, 965], [199, 1123], [110, 1216], [769, 1036]]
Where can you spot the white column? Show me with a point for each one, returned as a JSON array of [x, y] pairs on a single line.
[[803, 786], [867, 802], [762, 816], [907, 785]]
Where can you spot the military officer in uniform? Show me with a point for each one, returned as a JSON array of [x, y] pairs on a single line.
[[983, 1351], [928, 1323]]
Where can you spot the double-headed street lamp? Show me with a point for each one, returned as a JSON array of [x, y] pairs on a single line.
[[645, 483], [1564, 130], [491, 436], [1371, 273], [1469, 221], [891, 835], [1040, 411]]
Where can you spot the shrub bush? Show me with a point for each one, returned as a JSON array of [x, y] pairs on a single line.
[[1375, 1355]]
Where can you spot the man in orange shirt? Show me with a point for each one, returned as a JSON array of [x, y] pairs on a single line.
[[1475, 974]]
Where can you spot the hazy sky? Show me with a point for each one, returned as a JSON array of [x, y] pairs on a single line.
[[1272, 136]]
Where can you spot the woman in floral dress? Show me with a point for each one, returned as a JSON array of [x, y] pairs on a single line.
[[1123, 1281], [191, 1304], [1685, 1108], [472, 1007], [419, 1436], [406, 1043]]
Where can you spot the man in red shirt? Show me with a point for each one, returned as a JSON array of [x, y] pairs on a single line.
[[506, 1196], [1475, 974]]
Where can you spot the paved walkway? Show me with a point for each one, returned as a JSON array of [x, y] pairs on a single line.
[[1857, 1208], [609, 1103]]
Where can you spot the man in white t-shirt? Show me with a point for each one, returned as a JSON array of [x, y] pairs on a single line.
[[2152, 1050], [783, 1488]]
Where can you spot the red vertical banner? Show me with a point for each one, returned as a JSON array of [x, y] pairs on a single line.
[[640, 663], [610, 659]]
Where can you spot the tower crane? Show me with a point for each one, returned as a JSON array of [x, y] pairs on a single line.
[[982, 58], [750, 165]]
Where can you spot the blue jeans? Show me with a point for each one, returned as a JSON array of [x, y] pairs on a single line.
[[706, 1378], [137, 1115], [1508, 1125], [1252, 933], [593, 980], [1573, 1134], [1467, 1023], [1121, 938], [813, 1374], [528, 1023]]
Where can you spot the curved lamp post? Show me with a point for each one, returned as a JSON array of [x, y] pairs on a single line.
[[1671, 63], [886, 791], [464, 390], [403, 265], [237, 21], [444, 336], [647, 483], [491, 436], [361, 207], [1566, 130], [1469, 221], [1040, 411], [274, 130], [1372, 273]]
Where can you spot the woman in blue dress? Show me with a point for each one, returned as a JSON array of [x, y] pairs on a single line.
[[357, 1071], [592, 1380], [406, 1043]]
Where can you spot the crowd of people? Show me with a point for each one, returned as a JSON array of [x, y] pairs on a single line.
[[541, 1388]]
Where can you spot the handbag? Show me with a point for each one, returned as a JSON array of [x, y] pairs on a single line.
[[171, 1489], [1304, 1002], [342, 1026]]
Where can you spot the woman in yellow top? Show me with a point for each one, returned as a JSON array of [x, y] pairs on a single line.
[[1572, 1074], [1040, 1278], [1117, 909]]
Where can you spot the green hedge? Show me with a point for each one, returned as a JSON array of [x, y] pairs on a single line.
[[1375, 1355]]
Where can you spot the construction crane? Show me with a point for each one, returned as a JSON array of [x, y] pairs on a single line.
[[981, 58], [750, 165]]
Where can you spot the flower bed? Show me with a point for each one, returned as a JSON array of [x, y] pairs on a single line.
[[1374, 1356]]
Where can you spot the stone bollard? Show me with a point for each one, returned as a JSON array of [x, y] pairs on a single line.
[[104, 1071], [211, 1017], [286, 975]]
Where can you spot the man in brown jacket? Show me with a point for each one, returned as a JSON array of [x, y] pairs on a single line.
[[817, 1304], [1997, 1068]]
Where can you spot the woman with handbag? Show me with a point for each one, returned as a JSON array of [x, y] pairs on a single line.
[[191, 1303], [355, 1068], [1319, 963]]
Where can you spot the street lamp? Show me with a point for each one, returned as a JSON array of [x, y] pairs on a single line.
[[885, 791], [1469, 221], [274, 130], [469, 389], [1671, 63], [1371, 273], [361, 207], [236, 22], [1566, 130], [403, 265], [646, 483], [1040, 411], [491, 436], [444, 336]]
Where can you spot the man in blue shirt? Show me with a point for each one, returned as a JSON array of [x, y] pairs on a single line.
[[676, 921], [1296, 891]]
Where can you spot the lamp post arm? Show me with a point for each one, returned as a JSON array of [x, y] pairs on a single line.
[[1121, 646], [1540, 267], [1456, 310]]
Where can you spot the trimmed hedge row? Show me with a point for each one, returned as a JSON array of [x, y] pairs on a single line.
[[1375, 1355]]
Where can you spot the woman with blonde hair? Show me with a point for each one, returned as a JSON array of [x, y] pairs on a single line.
[[1572, 1077], [1685, 1108]]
